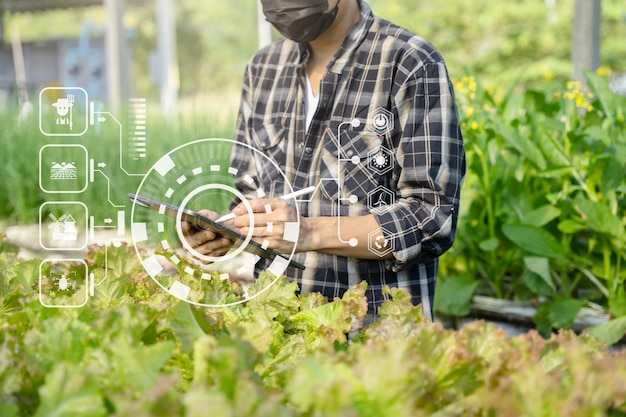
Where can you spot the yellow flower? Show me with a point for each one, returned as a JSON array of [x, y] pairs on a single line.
[[474, 125], [549, 76], [575, 93], [574, 85], [469, 112], [604, 71]]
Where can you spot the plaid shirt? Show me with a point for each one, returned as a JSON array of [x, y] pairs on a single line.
[[386, 88]]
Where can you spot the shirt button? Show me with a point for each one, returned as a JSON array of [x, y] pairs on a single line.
[[301, 144], [308, 151]]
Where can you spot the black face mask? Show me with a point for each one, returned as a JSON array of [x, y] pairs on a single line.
[[299, 20]]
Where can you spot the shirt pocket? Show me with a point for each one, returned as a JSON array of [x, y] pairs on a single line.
[[266, 136], [347, 161], [268, 164]]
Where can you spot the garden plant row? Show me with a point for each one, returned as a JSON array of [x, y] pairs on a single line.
[[134, 350], [544, 204]]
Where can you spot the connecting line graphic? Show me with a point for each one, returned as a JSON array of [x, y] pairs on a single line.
[[382, 127], [108, 188], [353, 198], [92, 276], [102, 118]]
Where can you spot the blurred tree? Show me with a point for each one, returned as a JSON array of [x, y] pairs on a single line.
[[522, 40]]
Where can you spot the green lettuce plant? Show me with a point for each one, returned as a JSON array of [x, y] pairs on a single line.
[[140, 353]]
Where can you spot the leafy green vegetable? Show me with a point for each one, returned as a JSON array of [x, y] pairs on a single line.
[[286, 354]]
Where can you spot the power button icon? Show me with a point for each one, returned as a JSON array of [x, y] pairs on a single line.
[[380, 121]]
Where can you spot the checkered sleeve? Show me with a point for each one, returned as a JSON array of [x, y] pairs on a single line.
[[422, 223], [241, 161]]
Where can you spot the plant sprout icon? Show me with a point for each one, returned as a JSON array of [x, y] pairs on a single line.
[[64, 107]]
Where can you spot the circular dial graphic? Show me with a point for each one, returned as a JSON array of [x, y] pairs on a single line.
[[196, 176]]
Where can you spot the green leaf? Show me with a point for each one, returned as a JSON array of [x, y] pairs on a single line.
[[534, 240], [327, 316], [612, 172], [599, 217], [139, 366], [536, 284], [569, 226], [610, 332], [489, 245], [541, 215], [453, 295], [564, 312], [542, 319], [617, 298], [539, 267], [354, 301], [552, 150], [68, 392], [277, 297], [522, 144], [186, 325], [600, 86], [514, 105]]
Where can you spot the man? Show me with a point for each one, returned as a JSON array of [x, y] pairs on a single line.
[[365, 111]]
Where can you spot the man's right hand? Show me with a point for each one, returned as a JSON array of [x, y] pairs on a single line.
[[206, 242]]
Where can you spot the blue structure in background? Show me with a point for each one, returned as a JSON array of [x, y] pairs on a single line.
[[84, 65]]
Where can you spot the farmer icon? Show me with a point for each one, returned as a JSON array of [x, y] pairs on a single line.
[[64, 107], [64, 111]]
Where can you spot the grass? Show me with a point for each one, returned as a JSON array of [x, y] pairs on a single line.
[[21, 195]]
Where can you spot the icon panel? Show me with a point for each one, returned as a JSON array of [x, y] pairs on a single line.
[[380, 121], [380, 199], [63, 169], [380, 161], [380, 245], [63, 283], [63, 111], [63, 225]]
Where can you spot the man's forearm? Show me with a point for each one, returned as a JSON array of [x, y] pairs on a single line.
[[334, 235]]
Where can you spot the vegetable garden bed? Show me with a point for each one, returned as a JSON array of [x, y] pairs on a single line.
[[135, 350]]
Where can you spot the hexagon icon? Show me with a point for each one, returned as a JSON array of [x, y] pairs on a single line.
[[380, 121], [380, 161], [380, 199], [380, 245]]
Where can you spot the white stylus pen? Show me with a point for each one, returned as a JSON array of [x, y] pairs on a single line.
[[298, 193]]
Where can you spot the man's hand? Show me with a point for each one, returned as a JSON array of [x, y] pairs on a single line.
[[203, 241], [269, 217]]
